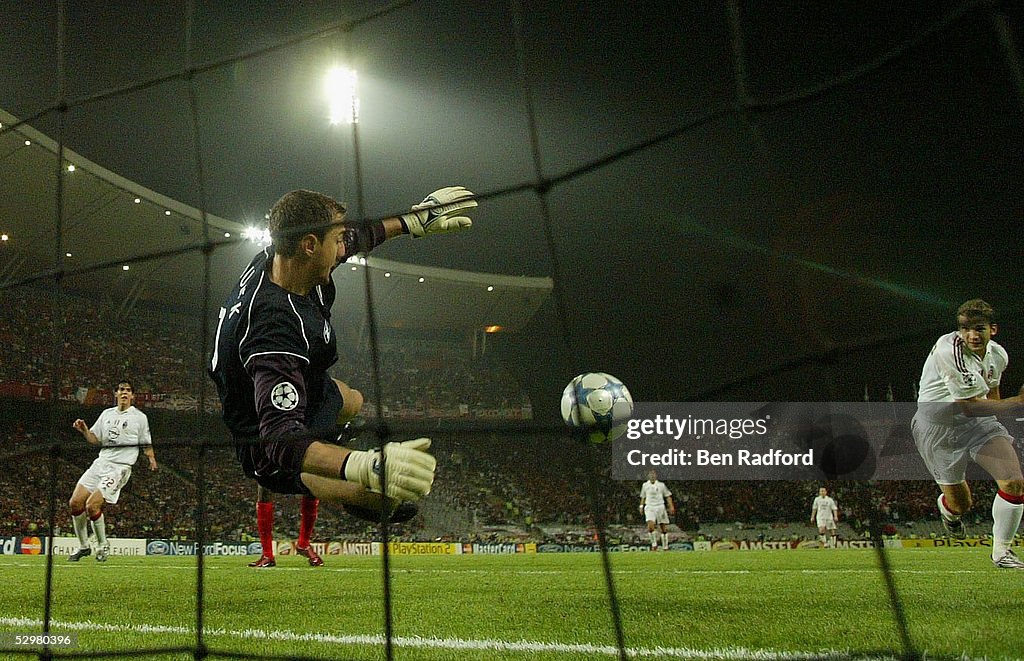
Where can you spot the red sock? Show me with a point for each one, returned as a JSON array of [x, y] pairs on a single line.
[[309, 510], [265, 527], [1010, 498]]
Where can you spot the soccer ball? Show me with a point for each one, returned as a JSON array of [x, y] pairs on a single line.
[[597, 406]]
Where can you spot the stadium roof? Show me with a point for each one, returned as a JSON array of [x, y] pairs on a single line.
[[124, 244]]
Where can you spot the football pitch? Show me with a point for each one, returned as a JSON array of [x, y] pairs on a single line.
[[714, 605]]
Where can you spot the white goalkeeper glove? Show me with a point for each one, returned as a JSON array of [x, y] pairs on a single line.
[[440, 212], [410, 469]]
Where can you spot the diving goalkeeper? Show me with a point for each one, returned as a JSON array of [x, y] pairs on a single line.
[[275, 342]]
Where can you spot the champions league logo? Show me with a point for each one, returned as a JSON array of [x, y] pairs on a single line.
[[284, 396]]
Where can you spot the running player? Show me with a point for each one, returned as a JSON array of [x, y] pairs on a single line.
[[955, 424], [119, 431]]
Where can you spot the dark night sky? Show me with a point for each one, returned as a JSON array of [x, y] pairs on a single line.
[[854, 219]]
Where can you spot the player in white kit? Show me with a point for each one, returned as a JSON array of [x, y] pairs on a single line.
[[825, 514], [955, 424], [654, 497], [119, 431]]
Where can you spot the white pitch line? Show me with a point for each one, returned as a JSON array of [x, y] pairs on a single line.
[[422, 642]]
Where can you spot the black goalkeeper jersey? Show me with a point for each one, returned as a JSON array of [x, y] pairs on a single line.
[[271, 355]]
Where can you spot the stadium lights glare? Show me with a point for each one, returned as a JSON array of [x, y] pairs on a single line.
[[3, 237], [28, 142], [67, 254], [490, 287], [138, 201], [387, 274], [342, 101], [423, 279], [167, 212], [492, 329], [71, 167], [227, 235], [257, 235], [125, 267]]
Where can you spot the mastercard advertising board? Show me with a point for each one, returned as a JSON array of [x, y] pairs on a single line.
[[16, 545]]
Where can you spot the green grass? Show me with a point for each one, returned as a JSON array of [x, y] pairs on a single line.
[[468, 607]]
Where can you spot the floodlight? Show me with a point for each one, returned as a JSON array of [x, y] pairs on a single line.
[[340, 87]]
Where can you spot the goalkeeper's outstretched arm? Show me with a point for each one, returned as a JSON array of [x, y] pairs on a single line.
[[442, 211]]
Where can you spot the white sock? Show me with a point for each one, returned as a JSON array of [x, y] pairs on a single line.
[[945, 510], [653, 536], [100, 526], [81, 525], [821, 539], [1005, 521], [833, 541], [664, 540]]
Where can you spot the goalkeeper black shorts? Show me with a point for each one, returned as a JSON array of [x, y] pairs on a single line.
[[275, 464]]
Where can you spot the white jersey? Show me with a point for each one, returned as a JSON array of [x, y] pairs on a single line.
[[654, 493], [824, 507], [118, 431], [952, 372]]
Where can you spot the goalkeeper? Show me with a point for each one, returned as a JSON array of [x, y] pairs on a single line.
[[274, 344]]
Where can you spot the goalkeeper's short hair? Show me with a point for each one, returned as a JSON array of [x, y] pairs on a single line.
[[301, 212]]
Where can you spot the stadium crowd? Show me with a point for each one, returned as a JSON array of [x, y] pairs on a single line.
[[431, 376], [486, 481], [160, 350]]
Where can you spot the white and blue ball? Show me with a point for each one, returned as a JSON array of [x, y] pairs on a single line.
[[597, 405]]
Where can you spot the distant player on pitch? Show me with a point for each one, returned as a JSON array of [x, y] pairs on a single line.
[[119, 431], [654, 496], [825, 514], [955, 424]]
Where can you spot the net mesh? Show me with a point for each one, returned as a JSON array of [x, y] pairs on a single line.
[[78, 334]]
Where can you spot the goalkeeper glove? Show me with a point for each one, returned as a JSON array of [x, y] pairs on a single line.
[[410, 470], [394, 512], [440, 212]]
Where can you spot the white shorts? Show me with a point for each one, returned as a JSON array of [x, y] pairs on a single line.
[[947, 449], [107, 477], [656, 513], [826, 522]]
